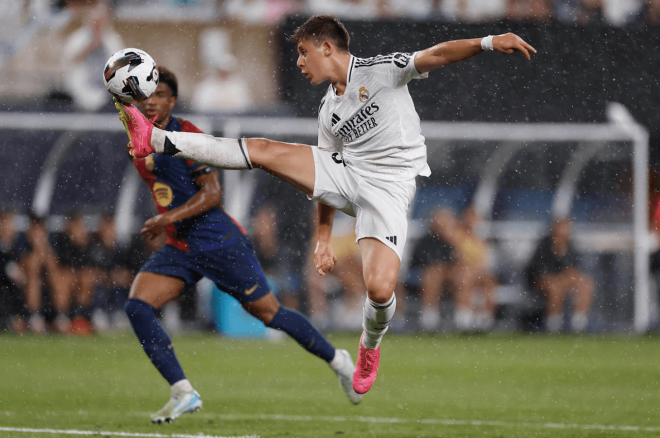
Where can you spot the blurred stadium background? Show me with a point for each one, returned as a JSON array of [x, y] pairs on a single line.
[[574, 134]]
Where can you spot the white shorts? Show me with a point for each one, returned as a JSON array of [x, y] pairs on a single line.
[[380, 207]]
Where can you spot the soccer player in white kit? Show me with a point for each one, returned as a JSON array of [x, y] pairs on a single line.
[[370, 151]]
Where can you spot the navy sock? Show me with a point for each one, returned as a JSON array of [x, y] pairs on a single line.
[[296, 325], [154, 340]]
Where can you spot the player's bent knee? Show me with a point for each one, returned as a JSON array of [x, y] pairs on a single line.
[[380, 294], [264, 309], [135, 308]]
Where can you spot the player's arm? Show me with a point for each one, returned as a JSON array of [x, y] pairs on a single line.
[[208, 196], [324, 255], [451, 52]]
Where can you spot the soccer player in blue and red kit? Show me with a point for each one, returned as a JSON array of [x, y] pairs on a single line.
[[202, 241]]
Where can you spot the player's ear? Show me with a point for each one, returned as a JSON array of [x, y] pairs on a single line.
[[172, 102], [327, 47]]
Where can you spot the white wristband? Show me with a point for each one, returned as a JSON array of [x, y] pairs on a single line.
[[487, 42]]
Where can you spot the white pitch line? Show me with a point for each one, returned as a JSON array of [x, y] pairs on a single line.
[[382, 420], [441, 422], [101, 432]]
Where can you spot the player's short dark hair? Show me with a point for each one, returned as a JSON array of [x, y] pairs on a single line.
[[320, 28], [167, 77]]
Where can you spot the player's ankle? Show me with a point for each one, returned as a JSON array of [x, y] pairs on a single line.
[[158, 140], [182, 386], [336, 361]]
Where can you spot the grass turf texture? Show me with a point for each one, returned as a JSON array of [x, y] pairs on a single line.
[[524, 382]]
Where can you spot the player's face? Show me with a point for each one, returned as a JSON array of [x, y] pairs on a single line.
[[311, 61], [160, 104]]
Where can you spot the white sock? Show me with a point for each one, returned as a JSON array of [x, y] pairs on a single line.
[[463, 318], [375, 321], [579, 322], [226, 153], [336, 361], [430, 319], [182, 386], [554, 322]]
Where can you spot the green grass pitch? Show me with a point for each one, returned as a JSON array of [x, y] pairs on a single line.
[[444, 386]]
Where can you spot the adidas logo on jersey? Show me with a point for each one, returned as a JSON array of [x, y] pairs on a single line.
[[335, 119], [392, 239]]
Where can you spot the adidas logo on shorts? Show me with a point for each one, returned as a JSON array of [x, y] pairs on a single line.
[[392, 239]]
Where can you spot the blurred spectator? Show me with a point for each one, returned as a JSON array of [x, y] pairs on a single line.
[[261, 11], [12, 277], [116, 276], [86, 50], [44, 279], [473, 273], [529, 10], [271, 256], [553, 272], [417, 10], [349, 9], [472, 11], [589, 12], [222, 89], [433, 260], [651, 12], [74, 253]]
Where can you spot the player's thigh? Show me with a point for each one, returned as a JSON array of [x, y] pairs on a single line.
[[382, 212], [380, 268], [264, 308], [293, 163], [155, 289]]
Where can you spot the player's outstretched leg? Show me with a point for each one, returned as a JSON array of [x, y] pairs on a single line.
[[158, 347], [381, 267], [147, 139], [296, 325]]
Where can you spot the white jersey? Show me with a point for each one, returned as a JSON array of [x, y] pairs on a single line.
[[374, 123]]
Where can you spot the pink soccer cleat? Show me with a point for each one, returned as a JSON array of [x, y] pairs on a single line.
[[138, 128], [366, 369]]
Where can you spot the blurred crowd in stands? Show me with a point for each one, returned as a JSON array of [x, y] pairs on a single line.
[[76, 281], [581, 12]]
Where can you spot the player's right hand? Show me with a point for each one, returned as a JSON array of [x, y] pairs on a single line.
[[324, 257]]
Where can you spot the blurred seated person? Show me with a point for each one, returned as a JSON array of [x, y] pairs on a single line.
[[265, 239], [81, 276], [349, 9], [553, 272], [433, 261], [113, 260], [87, 47], [473, 273], [472, 11], [529, 10], [12, 277], [45, 278], [222, 90], [651, 12]]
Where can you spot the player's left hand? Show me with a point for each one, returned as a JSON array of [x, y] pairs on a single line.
[[324, 257], [509, 43], [154, 226]]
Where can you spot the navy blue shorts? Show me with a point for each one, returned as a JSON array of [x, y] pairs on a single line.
[[234, 269]]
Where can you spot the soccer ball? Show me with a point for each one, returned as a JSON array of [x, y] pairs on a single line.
[[131, 75]]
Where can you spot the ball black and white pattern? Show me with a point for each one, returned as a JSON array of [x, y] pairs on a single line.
[[131, 75]]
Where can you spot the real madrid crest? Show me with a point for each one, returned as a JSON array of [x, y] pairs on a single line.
[[364, 94]]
